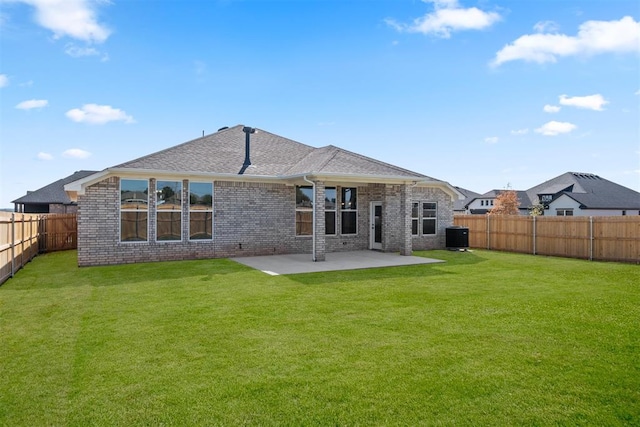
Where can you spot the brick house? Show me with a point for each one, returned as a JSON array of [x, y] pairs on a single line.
[[243, 191]]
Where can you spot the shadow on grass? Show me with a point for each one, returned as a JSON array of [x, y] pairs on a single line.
[[60, 270]]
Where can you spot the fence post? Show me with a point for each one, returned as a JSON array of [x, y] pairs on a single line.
[[590, 238], [488, 233], [13, 243], [534, 234]]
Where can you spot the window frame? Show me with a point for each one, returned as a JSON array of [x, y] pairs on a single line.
[[415, 218], [333, 211], [433, 218], [146, 239], [348, 210], [172, 211], [205, 211], [299, 209]]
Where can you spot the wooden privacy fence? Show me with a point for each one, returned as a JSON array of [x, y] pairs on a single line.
[[23, 236], [606, 238]]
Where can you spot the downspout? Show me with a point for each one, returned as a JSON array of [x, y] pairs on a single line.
[[313, 231]]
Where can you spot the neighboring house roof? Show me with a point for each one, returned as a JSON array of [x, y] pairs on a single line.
[[523, 198], [591, 191], [460, 205], [222, 155], [53, 193]]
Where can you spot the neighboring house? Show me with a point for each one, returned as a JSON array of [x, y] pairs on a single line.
[[483, 203], [243, 191], [459, 205], [585, 194], [570, 194], [51, 198]]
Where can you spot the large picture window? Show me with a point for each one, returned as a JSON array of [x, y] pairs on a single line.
[[304, 211], [134, 210], [349, 210], [169, 210], [429, 217], [200, 210]]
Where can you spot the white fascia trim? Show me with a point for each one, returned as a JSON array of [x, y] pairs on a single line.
[[79, 185]]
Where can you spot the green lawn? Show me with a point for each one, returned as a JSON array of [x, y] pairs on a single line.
[[486, 338]]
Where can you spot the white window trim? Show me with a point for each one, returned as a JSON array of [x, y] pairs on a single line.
[[199, 211], [297, 209], [348, 210], [422, 218], [172, 210], [415, 218], [132, 242]]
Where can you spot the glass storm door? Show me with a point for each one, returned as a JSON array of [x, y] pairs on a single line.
[[375, 237]]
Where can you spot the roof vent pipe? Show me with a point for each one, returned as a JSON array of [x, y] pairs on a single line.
[[247, 148]]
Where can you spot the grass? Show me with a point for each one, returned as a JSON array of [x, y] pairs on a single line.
[[484, 339]]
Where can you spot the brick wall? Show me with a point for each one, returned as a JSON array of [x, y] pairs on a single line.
[[250, 219]]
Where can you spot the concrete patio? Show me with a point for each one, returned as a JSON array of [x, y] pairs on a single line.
[[276, 265]]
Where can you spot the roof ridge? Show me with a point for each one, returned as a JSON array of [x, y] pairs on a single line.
[[380, 162]]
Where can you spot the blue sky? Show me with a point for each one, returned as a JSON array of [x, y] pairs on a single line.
[[482, 94]]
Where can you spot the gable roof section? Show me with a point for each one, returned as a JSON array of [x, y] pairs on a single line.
[[272, 157], [469, 196], [335, 160], [53, 193], [590, 190], [224, 152]]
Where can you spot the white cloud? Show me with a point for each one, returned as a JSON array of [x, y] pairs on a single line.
[[4, 80], [491, 140], [594, 37], [76, 153], [32, 103], [520, 132], [77, 52], [638, 92], [554, 128], [98, 114], [590, 102], [44, 156], [70, 18], [551, 108], [546, 27], [448, 17]]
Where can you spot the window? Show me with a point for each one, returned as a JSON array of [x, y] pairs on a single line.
[[200, 211], [415, 218], [429, 210], [304, 211], [169, 210], [481, 202], [349, 211], [134, 210], [564, 212], [330, 201]]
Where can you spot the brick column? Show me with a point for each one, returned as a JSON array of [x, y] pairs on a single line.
[[151, 211], [405, 214], [185, 210], [319, 226]]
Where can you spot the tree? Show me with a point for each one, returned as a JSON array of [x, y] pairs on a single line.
[[506, 203]]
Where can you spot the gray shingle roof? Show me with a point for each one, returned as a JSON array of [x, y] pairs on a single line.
[[53, 193], [271, 155], [590, 190], [459, 205]]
